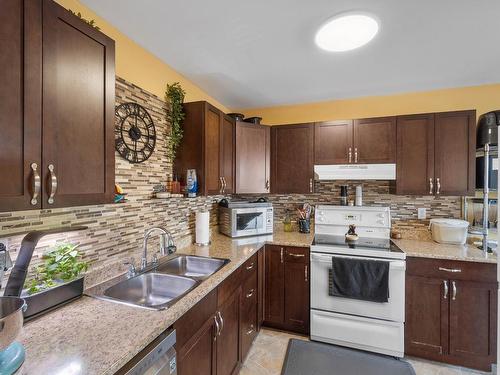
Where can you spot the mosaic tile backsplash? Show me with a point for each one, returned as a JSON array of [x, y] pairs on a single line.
[[115, 231]]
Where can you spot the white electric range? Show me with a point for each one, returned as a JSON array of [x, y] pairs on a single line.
[[365, 325]]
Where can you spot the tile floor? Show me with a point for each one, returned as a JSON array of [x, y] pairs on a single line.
[[268, 352]]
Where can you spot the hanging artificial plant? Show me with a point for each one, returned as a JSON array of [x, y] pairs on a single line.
[[89, 22], [174, 96]]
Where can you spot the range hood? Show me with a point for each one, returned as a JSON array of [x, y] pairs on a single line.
[[355, 172]]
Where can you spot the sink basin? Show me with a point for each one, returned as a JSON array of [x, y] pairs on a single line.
[[153, 290], [192, 266]]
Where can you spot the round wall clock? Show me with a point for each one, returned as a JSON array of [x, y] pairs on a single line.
[[135, 133]]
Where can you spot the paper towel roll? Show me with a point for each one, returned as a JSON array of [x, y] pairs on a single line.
[[202, 228]]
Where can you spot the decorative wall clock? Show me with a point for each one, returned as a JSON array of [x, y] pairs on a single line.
[[135, 133]]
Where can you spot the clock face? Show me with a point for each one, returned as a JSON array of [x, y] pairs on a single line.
[[135, 133]]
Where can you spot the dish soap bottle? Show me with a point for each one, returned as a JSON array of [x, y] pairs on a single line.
[[287, 222]]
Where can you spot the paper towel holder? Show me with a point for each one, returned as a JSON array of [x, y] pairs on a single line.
[[207, 243]]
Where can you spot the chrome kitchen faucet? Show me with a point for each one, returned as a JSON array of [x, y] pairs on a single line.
[[167, 245]]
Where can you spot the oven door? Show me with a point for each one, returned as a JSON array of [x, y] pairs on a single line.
[[248, 221], [393, 310]]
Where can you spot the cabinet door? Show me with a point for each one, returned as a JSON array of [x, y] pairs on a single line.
[[227, 153], [415, 155], [297, 289], [213, 150], [198, 355], [228, 341], [473, 323], [333, 142], [252, 158], [78, 111], [274, 285], [426, 326], [375, 140], [455, 142], [20, 104], [292, 148]]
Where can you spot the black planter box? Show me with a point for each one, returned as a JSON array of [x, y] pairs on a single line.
[[43, 302]]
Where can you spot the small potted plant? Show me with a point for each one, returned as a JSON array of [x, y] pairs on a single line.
[[58, 280]]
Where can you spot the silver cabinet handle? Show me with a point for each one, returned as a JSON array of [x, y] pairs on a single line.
[[281, 255], [296, 255], [310, 185], [454, 287], [452, 270], [221, 322], [350, 154], [217, 328], [355, 154], [305, 273], [221, 190], [250, 293], [267, 185], [438, 186], [250, 331], [53, 183], [37, 183], [225, 184], [250, 266], [431, 186], [445, 284]]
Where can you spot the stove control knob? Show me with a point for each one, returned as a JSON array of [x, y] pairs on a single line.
[[380, 221], [381, 215]]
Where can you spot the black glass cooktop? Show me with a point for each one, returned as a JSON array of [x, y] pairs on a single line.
[[366, 243]]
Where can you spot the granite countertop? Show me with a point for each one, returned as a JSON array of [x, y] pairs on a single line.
[[92, 336], [431, 249]]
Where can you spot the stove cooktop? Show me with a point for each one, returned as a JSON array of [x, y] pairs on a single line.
[[363, 243]]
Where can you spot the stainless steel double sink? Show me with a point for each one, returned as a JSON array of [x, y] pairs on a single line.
[[160, 286]]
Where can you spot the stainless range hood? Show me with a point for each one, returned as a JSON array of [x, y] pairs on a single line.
[[355, 172]]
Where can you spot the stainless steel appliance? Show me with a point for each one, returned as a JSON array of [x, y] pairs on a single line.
[[365, 325], [243, 218], [159, 358]]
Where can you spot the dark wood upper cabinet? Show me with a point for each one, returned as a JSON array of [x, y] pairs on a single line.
[[207, 146], [455, 150], [333, 142], [253, 147], [292, 154], [64, 127], [436, 154], [451, 316], [78, 110], [415, 154], [20, 122], [374, 140]]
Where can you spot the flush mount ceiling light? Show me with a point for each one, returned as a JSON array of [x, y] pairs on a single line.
[[346, 32]]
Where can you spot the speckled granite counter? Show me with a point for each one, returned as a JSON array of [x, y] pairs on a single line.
[[430, 249], [92, 336]]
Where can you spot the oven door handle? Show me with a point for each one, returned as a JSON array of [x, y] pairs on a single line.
[[324, 258]]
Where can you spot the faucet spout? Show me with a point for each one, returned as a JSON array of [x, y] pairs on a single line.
[[166, 244]]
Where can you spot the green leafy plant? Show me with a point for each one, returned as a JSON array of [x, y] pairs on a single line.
[[89, 22], [60, 265], [174, 96]]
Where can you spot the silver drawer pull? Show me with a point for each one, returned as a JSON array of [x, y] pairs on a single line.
[[297, 255], [251, 330], [281, 255], [453, 270], [37, 183], [454, 288], [445, 284], [221, 322], [250, 266], [431, 186], [438, 186], [250, 293], [217, 328], [53, 183]]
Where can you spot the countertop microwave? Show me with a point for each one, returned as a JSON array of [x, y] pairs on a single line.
[[241, 219]]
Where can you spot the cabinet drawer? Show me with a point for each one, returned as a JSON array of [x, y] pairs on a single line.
[[451, 269], [297, 254], [194, 319], [249, 268], [249, 292], [248, 328]]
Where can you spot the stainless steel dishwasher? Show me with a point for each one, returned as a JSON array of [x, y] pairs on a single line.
[[158, 358]]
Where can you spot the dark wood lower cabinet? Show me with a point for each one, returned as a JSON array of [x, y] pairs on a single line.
[[228, 358], [451, 316], [286, 288]]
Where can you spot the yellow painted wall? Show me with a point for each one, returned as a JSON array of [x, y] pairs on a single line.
[[137, 65], [481, 98]]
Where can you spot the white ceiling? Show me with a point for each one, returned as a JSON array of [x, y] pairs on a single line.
[[261, 53]]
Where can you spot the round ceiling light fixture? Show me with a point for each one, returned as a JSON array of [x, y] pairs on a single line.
[[346, 32]]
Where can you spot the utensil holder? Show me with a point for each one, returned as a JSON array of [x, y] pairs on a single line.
[[304, 225]]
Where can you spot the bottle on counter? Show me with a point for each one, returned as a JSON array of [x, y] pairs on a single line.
[[287, 222]]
